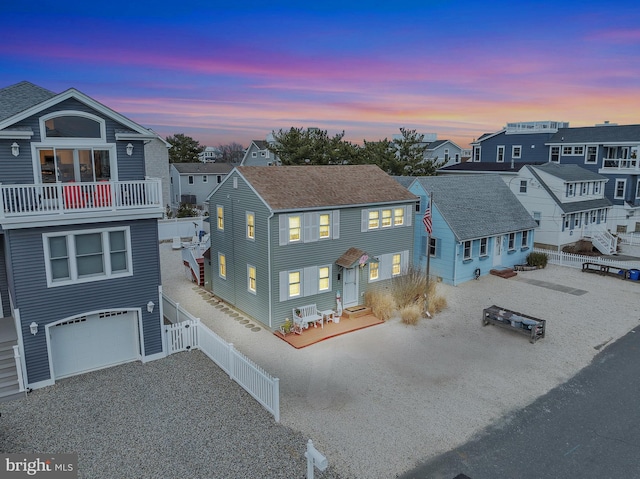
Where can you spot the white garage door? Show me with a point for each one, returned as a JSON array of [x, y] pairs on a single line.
[[94, 342]]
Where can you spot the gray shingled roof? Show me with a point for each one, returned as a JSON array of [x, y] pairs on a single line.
[[571, 173], [404, 180], [597, 134], [302, 187], [477, 206], [20, 97], [203, 168], [485, 167]]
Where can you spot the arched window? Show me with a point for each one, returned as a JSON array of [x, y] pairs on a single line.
[[72, 126]]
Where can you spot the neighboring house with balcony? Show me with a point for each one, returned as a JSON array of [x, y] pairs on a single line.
[[291, 236], [608, 149], [80, 278], [477, 225], [567, 202], [191, 183], [210, 154], [258, 154]]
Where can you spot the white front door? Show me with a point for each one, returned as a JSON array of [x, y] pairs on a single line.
[[497, 252], [350, 287], [93, 342]]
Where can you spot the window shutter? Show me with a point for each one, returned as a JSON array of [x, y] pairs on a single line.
[[386, 263], [284, 230], [284, 285], [404, 261], [335, 224], [311, 224], [408, 213], [364, 223], [310, 281]]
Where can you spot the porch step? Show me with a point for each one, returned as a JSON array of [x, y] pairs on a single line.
[[356, 312], [504, 273]]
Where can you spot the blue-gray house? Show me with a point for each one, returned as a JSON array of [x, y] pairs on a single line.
[[607, 149], [80, 285], [478, 225], [291, 236]]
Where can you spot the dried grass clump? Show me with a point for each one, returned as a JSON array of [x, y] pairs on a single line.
[[437, 304], [411, 314], [381, 303], [409, 288]]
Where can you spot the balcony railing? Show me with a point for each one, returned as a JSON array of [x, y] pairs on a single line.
[[67, 198], [621, 164]]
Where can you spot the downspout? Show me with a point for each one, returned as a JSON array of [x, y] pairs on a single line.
[[455, 266]]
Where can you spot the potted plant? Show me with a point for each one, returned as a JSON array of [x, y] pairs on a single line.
[[285, 328]]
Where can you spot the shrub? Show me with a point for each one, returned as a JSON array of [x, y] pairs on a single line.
[[410, 288], [411, 314], [437, 304], [381, 303], [537, 259]]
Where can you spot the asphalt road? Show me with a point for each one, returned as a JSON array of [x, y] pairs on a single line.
[[589, 427]]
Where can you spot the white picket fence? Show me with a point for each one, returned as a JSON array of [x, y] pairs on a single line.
[[576, 260], [189, 333]]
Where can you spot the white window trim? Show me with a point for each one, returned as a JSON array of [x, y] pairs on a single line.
[[73, 269], [385, 266], [205, 178], [222, 255], [309, 282], [408, 213], [190, 179], [638, 189], [513, 152], [218, 207], [586, 155], [624, 188], [551, 154], [511, 242], [252, 214], [254, 290], [499, 150], [300, 285], [464, 248], [477, 154], [73, 144], [254, 154], [524, 240], [76, 141], [485, 248]]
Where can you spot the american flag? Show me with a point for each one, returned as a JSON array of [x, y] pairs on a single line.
[[426, 219]]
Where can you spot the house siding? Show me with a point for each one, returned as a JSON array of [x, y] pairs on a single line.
[[538, 153], [52, 304], [4, 283], [326, 252]]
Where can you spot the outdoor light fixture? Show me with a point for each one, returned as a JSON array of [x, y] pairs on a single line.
[[33, 327], [15, 149], [129, 149], [150, 306]]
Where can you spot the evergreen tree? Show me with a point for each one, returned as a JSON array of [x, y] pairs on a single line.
[[184, 149]]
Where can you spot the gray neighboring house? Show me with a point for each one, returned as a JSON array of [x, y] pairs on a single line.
[[291, 236], [257, 154], [191, 183], [445, 151], [80, 285]]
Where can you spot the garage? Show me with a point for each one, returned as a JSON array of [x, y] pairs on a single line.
[[94, 341]]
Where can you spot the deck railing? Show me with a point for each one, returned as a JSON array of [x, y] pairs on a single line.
[[65, 198]]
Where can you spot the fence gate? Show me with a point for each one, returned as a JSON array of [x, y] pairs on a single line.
[[182, 336]]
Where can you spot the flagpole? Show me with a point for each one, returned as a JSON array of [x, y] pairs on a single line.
[[426, 295]]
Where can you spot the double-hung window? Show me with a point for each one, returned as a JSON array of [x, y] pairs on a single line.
[[325, 226], [88, 255], [374, 270], [251, 278], [398, 216], [374, 219], [619, 190], [592, 154], [500, 154], [516, 151], [512, 241], [523, 186], [396, 266], [554, 154], [190, 179], [294, 284], [220, 217], [386, 218], [294, 229], [466, 250], [251, 225], [432, 246], [525, 239], [324, 282], [222, 265], [483, 246]]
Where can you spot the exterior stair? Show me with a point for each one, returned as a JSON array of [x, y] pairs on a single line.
[[605, 242], [505, 273], [9, 385]]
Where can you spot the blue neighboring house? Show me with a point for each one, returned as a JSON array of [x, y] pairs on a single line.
[[80, 285], [608, 149], [478, 224]]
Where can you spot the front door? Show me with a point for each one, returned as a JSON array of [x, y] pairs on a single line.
[[497, 252], [350, 287]]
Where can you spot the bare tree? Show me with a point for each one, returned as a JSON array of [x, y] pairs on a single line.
[[232, 152]]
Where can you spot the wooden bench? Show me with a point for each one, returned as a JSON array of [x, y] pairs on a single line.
[[304, 315]]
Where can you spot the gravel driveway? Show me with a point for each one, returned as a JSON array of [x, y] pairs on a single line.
[[178, 417]]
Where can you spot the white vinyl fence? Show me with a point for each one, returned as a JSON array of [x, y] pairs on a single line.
[[576, 260], [182, 227], [188, 333], [632, 239]]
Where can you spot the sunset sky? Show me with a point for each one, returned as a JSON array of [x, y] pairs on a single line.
[[223, 73]]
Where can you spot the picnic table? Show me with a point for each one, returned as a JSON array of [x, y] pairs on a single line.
[[521, 323]]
